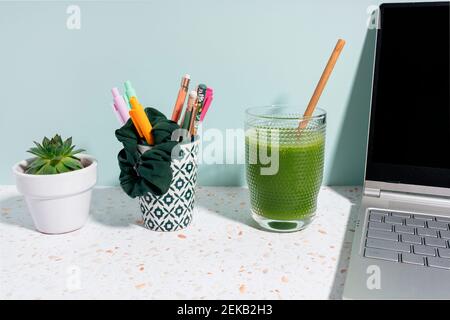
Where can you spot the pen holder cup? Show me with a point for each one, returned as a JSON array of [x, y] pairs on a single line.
[[172, 210]]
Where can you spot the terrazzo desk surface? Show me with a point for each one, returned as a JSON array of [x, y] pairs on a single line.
[[222, 255]]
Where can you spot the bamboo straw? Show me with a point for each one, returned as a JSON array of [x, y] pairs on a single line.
[[321, 84]]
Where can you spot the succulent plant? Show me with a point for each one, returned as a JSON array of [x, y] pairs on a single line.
[[54, 156]]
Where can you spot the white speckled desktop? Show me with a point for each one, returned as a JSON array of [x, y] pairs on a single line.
[[222, 255]]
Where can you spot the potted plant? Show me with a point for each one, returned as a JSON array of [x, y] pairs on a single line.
[[57, 185]]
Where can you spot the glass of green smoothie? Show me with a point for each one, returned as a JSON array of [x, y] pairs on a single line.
[[284, 165]]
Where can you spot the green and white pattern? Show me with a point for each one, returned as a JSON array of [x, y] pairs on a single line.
[[172, 211]]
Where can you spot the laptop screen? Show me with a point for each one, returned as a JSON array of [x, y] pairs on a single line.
[[409, 138]]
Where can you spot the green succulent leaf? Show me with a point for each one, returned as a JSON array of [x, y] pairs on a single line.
[[57, 140], [54, 156], [72, 153], [45, 142], [38, 162], [72, 163], [48, 169], [38, 152], [68, 142], [61, 168]]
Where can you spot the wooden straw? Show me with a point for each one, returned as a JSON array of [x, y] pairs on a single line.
[[321, 84]]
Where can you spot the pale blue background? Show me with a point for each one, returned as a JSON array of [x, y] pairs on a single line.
[[251, 52]]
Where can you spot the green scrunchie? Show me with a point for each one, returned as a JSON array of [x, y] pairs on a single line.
[[150, 171]]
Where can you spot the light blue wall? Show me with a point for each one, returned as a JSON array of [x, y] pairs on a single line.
[[251, 52]]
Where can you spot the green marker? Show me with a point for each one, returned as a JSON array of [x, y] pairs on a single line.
[[186, 123], [187, 120]]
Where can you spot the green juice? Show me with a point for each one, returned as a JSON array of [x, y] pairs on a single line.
[[290, 193]]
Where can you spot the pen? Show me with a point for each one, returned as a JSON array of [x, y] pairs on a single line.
[[201, 91], [208, 100], [188, 113], [129, 92], [119, 118], [140, 120], [192, 123], [181, 98], [120, 107], [135, 120]]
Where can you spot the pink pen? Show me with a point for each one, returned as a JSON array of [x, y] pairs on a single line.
[[207, 103], [120, 106], [119, 117]]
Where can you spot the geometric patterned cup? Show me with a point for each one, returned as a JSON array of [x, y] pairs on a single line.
[[172, 211]]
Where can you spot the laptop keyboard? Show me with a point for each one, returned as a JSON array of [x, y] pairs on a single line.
[[408, 238]]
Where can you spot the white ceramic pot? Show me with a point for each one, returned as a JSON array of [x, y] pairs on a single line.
[[58, 203]]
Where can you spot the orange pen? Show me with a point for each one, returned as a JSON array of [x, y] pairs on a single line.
[[135, 121], [140, 120], [178, 108]]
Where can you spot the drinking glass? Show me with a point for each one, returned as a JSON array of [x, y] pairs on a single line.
[[284, 165]]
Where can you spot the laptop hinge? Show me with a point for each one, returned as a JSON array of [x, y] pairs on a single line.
[[372, 192]]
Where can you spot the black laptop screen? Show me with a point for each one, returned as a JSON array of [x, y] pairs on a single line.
[[409, 138]]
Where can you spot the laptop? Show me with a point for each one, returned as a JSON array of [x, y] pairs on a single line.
[[401, 248]]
